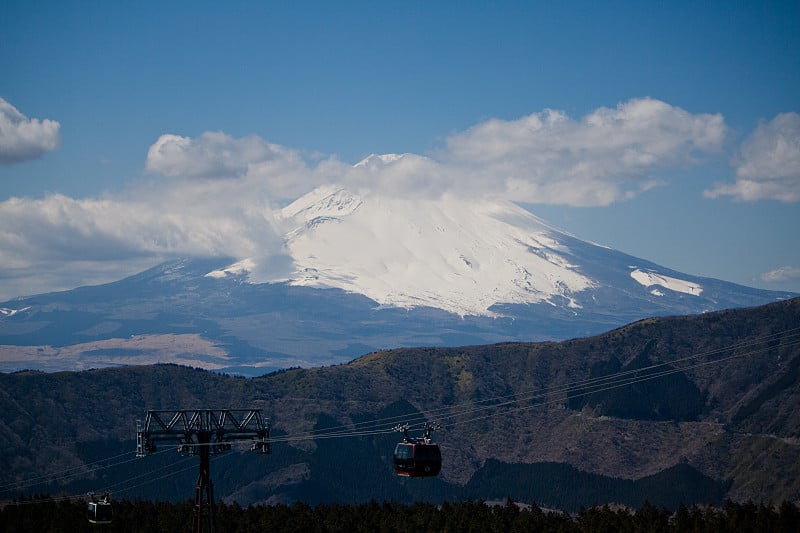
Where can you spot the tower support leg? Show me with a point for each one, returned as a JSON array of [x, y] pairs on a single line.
[[203, 517]]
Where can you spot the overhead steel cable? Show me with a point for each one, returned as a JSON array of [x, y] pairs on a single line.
[[416, 420], [596, 384], [113, 489], [44, 478], [627, 377], [612, 385], [381, 426], [70, 472]]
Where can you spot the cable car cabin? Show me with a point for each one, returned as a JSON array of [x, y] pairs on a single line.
[[417, 459], [99, 512]]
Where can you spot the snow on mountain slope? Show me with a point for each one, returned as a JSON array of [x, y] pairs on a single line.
[[650, 279], [5, 312], [459, 256], [324, 201], [467, 257], [403, 272]]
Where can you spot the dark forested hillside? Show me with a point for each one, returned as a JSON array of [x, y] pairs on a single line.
[[670, 410]]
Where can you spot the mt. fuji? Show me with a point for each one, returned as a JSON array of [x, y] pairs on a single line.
[[356, 273], [466, 257], [458, 256]]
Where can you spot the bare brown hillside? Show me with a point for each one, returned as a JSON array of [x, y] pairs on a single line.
[[726, 406]]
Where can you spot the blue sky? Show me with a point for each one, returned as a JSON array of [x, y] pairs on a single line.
[[667, 130]]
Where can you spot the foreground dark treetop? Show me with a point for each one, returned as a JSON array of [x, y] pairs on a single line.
[[150, 517]]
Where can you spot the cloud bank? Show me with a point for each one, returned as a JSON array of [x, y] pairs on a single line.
[[213, 154], [21, 138], [546, 157], [273, 169], [88, 241], [217, 195], [607, 156], [768, 165], [780, 275]]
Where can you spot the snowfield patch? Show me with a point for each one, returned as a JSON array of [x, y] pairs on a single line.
[[648, 279]]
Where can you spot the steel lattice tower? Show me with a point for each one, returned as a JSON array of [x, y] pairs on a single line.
[[203, 432]]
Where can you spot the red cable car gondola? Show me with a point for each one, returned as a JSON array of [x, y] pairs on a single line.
[[417, 457]]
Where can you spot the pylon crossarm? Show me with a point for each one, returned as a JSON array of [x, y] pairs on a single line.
[[218, 429]]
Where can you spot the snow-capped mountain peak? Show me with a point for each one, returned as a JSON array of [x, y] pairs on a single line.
[[324, 201], [469, 257], [373, 160], [405, 272], [463, 257]]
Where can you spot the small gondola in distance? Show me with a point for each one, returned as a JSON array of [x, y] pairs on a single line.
[[99, 511]]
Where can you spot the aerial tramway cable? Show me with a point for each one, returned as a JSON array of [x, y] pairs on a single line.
[[450, 415], [119, 487], [584, 386], [66, 473], [72, 472]]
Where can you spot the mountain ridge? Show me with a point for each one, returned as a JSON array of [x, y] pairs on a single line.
[[359, 274], [736, 435]]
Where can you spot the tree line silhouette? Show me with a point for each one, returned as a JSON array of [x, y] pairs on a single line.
[[44, 515]]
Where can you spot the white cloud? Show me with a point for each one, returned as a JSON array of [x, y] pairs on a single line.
[[608, 155], [545, 157], [276, 170], [103, 238], [768, 166], [192, 214], [211, 155], [408, 175], [781, 274], [21, 138]]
